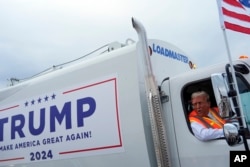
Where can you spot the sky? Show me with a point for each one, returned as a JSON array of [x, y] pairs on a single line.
[[37, 34]]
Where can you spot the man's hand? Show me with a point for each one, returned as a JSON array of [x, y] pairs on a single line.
[[232, 140]]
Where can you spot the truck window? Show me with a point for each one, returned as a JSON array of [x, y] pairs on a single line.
[[243, 85], [205, 85], [244, 91]]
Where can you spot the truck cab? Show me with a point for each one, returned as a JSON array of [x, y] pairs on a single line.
[[191, 151]]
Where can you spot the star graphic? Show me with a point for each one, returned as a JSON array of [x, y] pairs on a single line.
[[53, 96], [46, 98], [39, 100], [26, 104]]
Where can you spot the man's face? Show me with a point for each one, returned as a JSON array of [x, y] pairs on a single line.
[[201, 105]]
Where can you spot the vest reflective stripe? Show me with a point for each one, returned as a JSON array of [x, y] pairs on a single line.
[[201, 121], [217, 116], [206, 121]]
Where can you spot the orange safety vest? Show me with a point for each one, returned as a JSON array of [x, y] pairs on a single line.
[[206, 121]]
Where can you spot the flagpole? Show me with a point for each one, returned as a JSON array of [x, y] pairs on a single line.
[[231, 7]]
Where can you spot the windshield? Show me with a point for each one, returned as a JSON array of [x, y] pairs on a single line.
[[244, 91]]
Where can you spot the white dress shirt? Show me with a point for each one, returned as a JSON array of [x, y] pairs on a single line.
[[205, 134]]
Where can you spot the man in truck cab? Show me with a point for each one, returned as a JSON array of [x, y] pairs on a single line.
[[205, 120]]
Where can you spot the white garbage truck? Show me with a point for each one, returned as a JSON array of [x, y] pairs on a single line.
[[128, 106]]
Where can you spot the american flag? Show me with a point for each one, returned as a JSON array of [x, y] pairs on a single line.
[[235, 15]]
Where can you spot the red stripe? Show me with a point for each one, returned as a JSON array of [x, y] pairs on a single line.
[[83, 87], [117, 113], [90, 149], [237, 28], [235, 15], [233, 3], [11, 159], [9, 108]]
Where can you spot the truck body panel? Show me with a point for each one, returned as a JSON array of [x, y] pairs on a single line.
[[113, 132]]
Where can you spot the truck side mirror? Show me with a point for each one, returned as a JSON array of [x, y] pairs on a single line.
[[220, 89], [225, 106], [231, 133]]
